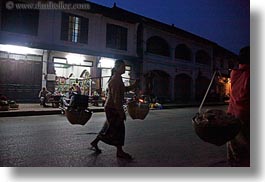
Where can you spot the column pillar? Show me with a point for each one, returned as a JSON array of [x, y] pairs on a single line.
[[44, 68], [193, 87], [172, 87], [172, 54]]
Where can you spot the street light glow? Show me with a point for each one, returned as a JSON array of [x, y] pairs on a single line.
[[16, 49]]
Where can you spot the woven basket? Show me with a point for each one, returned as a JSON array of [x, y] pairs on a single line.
[[78, 117], [79, 101], [216, 127], [138, 110]]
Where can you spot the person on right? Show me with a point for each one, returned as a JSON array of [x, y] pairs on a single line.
[[238, 149]]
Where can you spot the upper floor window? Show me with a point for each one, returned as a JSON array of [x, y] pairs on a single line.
[[116, 37], [183, 52], [19, 20], [203, 57], [74, 28], [157, 45]]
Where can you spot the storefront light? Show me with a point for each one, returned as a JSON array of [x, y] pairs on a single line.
[[75, 59], [59, 60], [106, 63], [59, 66], [17, 49]]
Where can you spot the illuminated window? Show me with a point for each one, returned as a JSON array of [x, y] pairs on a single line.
[[74, 28]]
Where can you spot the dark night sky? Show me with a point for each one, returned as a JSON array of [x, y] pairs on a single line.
[[225, 22]]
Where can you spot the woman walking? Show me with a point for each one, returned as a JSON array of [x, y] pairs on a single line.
[[113, 131]]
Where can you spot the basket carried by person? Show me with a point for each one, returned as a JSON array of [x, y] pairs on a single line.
[[138, 110], [76, 111], [80, 117], [215, 126]]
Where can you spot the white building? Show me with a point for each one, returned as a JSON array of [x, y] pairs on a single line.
[[55, 48]]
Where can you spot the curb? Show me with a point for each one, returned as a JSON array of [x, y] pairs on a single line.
[[192, 105], [54, 112], [37, 113], [28, 113]]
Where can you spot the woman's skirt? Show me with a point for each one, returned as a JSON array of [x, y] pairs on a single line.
[[113, 131]]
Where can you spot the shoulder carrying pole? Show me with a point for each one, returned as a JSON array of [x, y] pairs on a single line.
[[207, 91]]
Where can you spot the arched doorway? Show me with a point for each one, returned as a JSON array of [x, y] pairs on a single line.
[[183, 52], [183, 87], [157, 45], [202, 84], [203, 57]]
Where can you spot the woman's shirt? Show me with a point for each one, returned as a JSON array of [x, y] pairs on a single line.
[[116, 91], [239, 104]]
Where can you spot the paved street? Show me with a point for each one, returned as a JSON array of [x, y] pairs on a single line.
[[164, 138]]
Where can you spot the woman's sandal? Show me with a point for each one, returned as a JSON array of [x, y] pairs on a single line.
[[95, 148], [124, 156]]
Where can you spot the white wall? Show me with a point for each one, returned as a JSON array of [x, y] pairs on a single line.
[[51, 21], [49, 32]]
